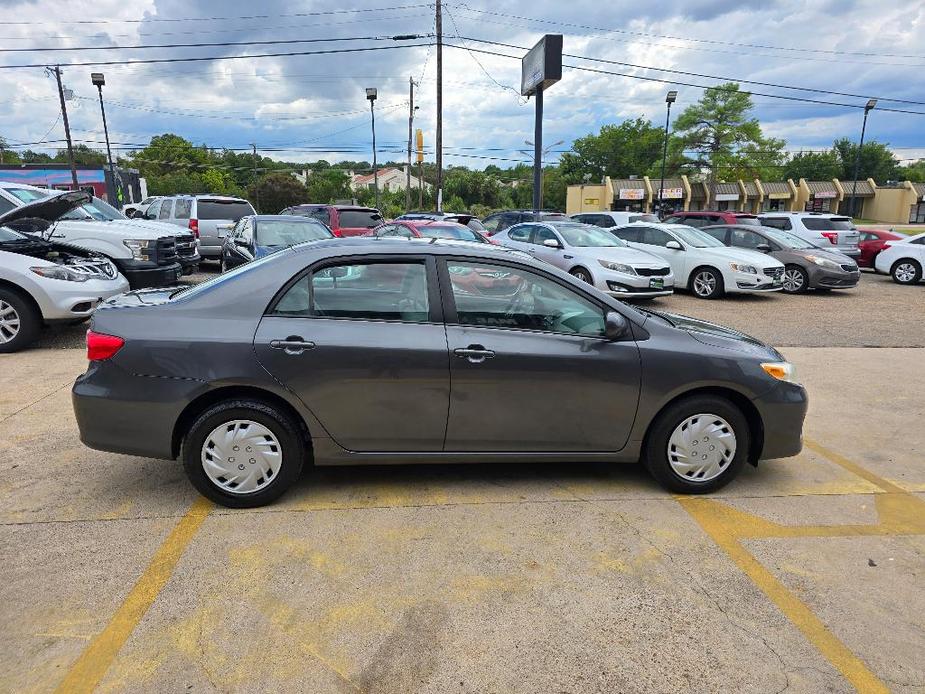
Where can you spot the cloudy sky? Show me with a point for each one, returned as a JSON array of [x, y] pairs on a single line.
[[313, 106]]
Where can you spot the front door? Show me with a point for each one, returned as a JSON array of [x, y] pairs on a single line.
[[529, 366], [363, 345]]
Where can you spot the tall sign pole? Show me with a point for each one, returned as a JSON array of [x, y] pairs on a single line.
[[67, 128], [439, 142], [539, 70]]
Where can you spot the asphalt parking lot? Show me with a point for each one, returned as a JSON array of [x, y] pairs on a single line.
[[805, 574]]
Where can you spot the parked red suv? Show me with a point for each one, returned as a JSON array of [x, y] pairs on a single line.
[[343, 220], [709, 217], [871, 243]]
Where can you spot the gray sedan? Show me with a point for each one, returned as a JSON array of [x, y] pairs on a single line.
[[593, 256], [362, 351], [805, 266]]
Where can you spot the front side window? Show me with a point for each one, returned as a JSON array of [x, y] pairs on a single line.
[[655, 237], [584, 236], [491, 223], [631, 234], [544, 234], [366, 291], [457, 232], [497, 296], [151, 212], [247, 232], [695, 237]]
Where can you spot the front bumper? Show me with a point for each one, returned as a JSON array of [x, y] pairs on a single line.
[[143, 273], [827, 278], [623, 286], [61, 300], [782, 411], [748, 282]]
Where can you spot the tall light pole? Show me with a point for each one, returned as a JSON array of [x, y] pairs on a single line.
[[871, 104], [438, 25], [99, 80], [371, 94], [411, 110], [545, 152], [670, 98]]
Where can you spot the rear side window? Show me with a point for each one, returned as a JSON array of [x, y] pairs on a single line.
[[359, 219], [231, 210], [644, 218], [5, 206], [777, 222], [165, 209], [629, 234], [748, 221], [183, 208], [521, 233], [718, 234], [365, 291]]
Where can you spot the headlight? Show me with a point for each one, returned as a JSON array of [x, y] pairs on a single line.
[[750, 269], [781, 370], [59, 272], [617, 267], [140, 248], [824, 262]]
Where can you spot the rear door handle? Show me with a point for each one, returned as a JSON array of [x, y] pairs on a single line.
[[293, 345], [476, 354]]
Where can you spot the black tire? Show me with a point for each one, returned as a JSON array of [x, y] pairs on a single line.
[[280, 424], [581, 274], [719, 288], [903, 264], [656, 451], [222, 265], [800, 282], [28, 322]]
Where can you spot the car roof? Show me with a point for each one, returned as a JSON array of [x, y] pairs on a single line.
[[285, 217], [800, 214], [399, 245]]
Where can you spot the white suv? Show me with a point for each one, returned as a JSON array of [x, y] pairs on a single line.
[[903, 259], [830, 232], [209, 217]]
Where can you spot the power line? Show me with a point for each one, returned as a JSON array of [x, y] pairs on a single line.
[[689, 84], [218, 19], [714, 77], [149, 61]]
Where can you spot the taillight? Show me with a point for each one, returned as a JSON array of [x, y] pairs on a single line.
[[194, 227], [101, 346], [832, 236], [336, 232]]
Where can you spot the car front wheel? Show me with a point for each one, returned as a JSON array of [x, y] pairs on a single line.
[[906, 271], [795, 280], [19, 322], [707, 283], [697, 445], [583, 275], [243, 453]]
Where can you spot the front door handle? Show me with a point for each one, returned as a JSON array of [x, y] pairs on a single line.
[[476, 354], [293, 345]]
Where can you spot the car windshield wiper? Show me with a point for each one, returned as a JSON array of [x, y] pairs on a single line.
[[657, 314]]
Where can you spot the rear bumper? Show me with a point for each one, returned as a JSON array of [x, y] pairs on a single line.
[[782, 412]]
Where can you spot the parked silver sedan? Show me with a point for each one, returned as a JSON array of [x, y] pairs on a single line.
[[593, 256]]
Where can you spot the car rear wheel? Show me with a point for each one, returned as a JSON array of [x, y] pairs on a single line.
[[795, 279], [582, 274], [19, 322], [243, 453], [697, 445], [906, 271], [707, 283]]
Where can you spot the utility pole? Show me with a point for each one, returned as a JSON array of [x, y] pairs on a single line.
[[256, 187], [98, 80], [871, 104], [410, 132], [439, 143], [67, 128]]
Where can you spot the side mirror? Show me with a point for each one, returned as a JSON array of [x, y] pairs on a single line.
[[616, 326], [763, 247], [552, 243], [674, 245]]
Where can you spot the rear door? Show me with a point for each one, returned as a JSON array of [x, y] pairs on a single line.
[[361, 341], [530, 368]]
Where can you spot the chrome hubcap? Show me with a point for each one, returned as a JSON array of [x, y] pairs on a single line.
[[792, 280], [583, 277], [9, 322], [904, 273], [701, 447], [704, 283], [241, 456]]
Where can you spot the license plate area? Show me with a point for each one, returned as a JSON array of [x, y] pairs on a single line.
[[656, 283]]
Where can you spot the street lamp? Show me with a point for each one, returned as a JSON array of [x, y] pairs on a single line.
[[546, 151], [871, 104], [371, 94], [670, 98], [99, 80]]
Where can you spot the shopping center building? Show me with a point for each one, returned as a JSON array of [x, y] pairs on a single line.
[[892, 203]]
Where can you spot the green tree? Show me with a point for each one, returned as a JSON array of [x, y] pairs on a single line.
[[813, 166], [911, 172], [618, 151], [876, 161], [724, 140], [83, 156], [277, 191], [326, 185], [8, 156]]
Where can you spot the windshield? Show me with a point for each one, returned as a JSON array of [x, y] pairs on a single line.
[[450, 231], [194, 289], [584, 236], [231, 210], [276, 233], [786, 240], [695, 237], [95, 209], [830, 224], [359, 219], [27, 195]]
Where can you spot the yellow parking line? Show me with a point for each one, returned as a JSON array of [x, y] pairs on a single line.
[[800, 615], [93, 663]]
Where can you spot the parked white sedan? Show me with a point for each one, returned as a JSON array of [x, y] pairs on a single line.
[[701, 263], [903, 259]]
